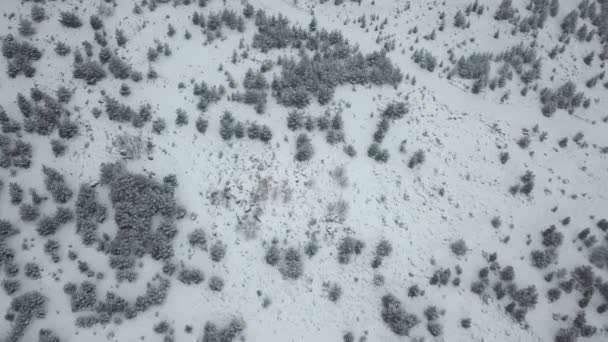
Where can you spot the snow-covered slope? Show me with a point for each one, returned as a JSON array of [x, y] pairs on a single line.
[[252, 198]]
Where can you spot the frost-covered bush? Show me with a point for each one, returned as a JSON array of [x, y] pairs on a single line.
[[11, 286], [334, 291], [543, 258], [396, 317], [70, 20], [291, 266], [31, 270], [311, 248], [417, 159], [526, 297], [273, 255], [181, 118], [119, 68], [216, 283], [507, 273], [265, 133], [190, 276], [201, 124], [350, 150], [384, 248], [441, 277], [459, 247], [552, 237], [217, 251], [197, 238], [159, 125]]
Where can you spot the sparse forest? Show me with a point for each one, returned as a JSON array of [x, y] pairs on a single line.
[[303, 170]]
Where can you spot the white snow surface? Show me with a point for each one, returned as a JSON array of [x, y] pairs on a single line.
[[461, 133]]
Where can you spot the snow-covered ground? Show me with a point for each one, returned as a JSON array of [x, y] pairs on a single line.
[[246, 193]]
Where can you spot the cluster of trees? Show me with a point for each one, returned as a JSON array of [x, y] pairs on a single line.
[[255, 91], [82, 297], [541, 10], [48, 225], [229, 128], [212, 333], [505, 10], [393, 111], [396, 317], [333, 126], [27, 307], [565, 97], [104, 311], [20, 56], [89, 213], [349, 247], [215, 21], [136, 199], [578, 328], [521, 300], [383, 249], [120, 112], [207, 95], [14, 152], [56, 185], [190, 276], [552, 239], [525, 186], [474, 67], [304, 148], [523, 60], [90, 71], [425, 59], [289, 261], [333, 62]]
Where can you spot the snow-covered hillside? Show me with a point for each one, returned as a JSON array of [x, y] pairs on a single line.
[[303, 170]]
